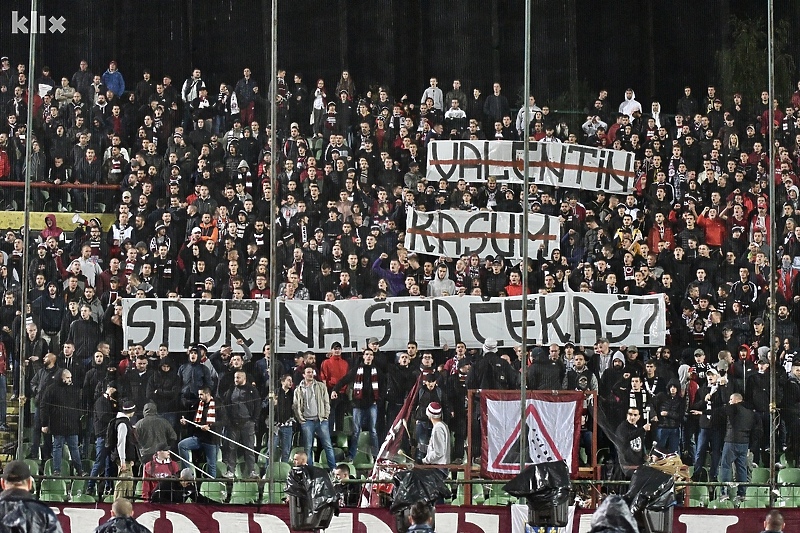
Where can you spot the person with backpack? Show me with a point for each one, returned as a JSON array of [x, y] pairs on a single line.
[[160, 466], [121, 440]]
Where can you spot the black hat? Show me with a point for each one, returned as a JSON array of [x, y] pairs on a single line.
[[464, 362], [162, 447], [288, 236], [335, 345], [16, 471], [128, 406], [430, 377]]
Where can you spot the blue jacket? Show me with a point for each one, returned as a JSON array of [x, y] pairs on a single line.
[[396, 281], [114, 82]]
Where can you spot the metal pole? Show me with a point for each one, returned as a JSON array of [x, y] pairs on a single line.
[[773, 410], [523, 378], [273, 239], [26, 233]]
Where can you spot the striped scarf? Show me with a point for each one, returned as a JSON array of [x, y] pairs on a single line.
[[211, 415], [358, 385]]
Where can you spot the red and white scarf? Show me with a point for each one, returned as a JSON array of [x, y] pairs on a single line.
[[358, 385], [211, 415]]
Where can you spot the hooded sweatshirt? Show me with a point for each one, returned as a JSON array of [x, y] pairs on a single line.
[[51, 228], [674, 406], [152, 430], [629, 105]]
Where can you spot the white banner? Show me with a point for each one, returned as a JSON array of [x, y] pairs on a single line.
[[431, 322], [551, 430], [558, 164], [454, 233]]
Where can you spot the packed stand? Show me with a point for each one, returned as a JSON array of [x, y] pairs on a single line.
[[187, 171]]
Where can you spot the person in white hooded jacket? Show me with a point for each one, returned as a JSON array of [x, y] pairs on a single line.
[[630, 104]]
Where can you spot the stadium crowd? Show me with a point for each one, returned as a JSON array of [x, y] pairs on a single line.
[[191, 170]]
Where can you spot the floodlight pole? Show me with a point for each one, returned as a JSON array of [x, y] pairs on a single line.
[[273, 240], [773, 246], [26, 233], [523, 378]]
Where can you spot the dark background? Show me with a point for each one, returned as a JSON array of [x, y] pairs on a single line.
[[653, 46]]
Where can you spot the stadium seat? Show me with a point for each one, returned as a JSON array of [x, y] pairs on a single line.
[[83, 498], [757, 497], [720, 504], [760, 475], [33, 464], [77, 488], [276, 495], [280, 471], [53, 490], [214, 490], [789, 476], [696, 503], [244, 492], [699, 493]]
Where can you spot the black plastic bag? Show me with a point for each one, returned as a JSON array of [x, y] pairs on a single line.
[[651, 490], [545, 485], [312, 486], [613, 516], [419, 484]]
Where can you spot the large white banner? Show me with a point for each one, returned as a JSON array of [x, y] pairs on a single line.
[[431, 322], [551, 428], [453, 233], [558, 164]]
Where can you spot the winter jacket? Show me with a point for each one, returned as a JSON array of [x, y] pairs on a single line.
[[321, 395], [241, 404], [85, 334], [194, 376], [125, 524], [153, 430], [49, 313], [133, 387], [399, 382], [332, 371], [491, 372], [743, 426], [61, 408], [164, 389], [674, 406], [157, 469], [20, 512]]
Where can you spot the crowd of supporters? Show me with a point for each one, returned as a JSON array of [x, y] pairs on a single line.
[[189, 169]]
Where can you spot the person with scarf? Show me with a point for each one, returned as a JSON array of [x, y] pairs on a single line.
[[367, 383], [201, 437]]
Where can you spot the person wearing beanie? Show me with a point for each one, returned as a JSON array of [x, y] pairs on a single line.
[[438, 449]]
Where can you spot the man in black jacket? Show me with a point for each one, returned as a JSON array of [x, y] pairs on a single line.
[[743, 428], [19, 509], [708, 406], [630, 440], [105, 410], [43, 379], [61, 413], [242, 407], [669, 408]]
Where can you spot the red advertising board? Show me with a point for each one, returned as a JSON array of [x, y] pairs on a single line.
[[194, 518]]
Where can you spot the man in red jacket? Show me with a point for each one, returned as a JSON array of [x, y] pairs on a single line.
[[333, 369]]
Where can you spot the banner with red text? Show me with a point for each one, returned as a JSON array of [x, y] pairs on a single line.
[[552, 428], [194, 518]]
